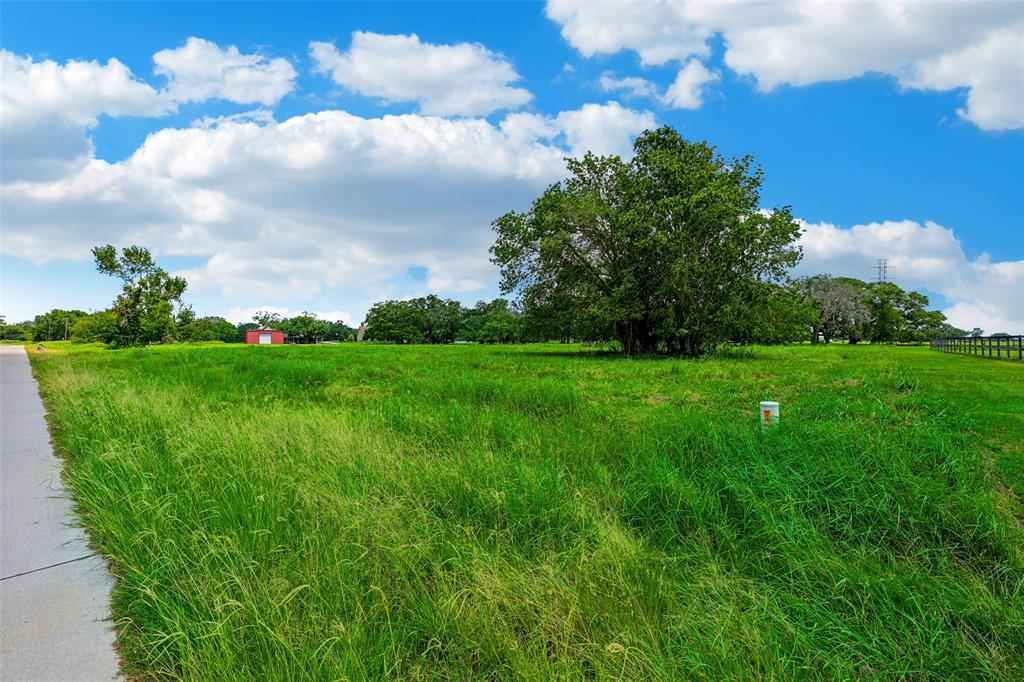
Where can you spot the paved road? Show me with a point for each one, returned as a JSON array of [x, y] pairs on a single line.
[[54, 590]]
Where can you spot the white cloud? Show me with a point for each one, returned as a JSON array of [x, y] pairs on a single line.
[[200, 70], [465, 79], [633, 86], [325, 200], [76, 92], [981, 293], [978, 46], [603, 129], [993, 72], [45, 108], [687, 92], [657, 31], [240, 315]]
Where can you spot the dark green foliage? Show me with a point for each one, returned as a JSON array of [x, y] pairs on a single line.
[[491, 322], [776, 314], [246, 327], [417, 320], [145, 308], [15, 332], [209, 329], [55, 325], [880, 312], [663, 251], [898, 315], [305, 328], [98, 327], [339, 331]]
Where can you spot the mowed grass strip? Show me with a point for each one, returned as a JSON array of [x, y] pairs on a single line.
[[533, 512]]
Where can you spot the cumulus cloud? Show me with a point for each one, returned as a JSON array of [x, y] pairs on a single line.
[[980, 292], [632, 86], [686, 92], [599, 128], [464, 79], [931, 45], [47, 108], [201, 70], [323, 200]]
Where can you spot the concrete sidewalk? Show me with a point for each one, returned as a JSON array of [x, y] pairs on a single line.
[[54, 590]]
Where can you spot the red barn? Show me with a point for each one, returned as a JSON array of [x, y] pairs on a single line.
[[262, 336]]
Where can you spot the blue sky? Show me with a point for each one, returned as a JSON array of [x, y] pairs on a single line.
[[892, 133]]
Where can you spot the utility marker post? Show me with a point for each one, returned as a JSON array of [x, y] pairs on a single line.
[[769, 414]]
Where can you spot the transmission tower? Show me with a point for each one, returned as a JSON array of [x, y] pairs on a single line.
[[881, 269]]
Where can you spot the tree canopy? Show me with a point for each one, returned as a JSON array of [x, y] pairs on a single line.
[[664, 251], [144, 310]]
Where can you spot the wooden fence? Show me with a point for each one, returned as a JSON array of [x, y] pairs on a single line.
[[1000, 347]]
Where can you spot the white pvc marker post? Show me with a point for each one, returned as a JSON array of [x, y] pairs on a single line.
[[769, 414]]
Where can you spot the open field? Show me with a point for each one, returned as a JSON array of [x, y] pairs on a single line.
[[468, 512]]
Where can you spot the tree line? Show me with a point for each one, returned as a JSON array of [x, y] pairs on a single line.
[[819, 309], [668, 252]]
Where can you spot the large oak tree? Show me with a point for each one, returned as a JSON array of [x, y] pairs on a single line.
[[663, 251]]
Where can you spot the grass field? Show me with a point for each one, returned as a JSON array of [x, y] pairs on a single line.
[[532, 512]]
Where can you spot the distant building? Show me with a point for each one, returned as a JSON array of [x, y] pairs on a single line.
[[361, 332], [264, 336]]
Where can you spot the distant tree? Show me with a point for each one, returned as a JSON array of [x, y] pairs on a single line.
[[98, 327], [778, 314], [439, 319], [209, 329], [13, 332], [899, 316], [55, 325], [266, 319], [491, 322], [977, 331], [339, 331], [665, 250], [305, 328], [418, 320], [246, 327], [145, 308], [395, 322], [838, 306], [944, 330]]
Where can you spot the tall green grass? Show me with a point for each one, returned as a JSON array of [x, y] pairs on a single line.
[[368, 512]]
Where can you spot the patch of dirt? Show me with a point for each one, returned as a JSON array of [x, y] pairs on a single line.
[[658, 399]]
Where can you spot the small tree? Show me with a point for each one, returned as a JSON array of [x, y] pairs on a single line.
[[266, 319], [145, 308], [339, 331], [305, 327], [837, 304], [98, 327], [210, 328], [55, 325], [13, 332]]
